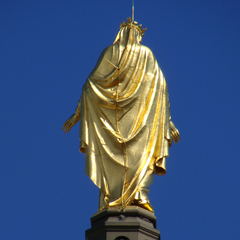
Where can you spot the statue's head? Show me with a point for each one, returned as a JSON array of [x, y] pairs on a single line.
[[131, 24], [136, 30]]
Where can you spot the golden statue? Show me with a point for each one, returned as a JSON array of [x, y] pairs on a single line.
[[125, 123]]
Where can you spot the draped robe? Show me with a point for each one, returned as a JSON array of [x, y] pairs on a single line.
[[124, 123]]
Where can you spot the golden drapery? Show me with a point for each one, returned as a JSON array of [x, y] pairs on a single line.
[[124, 121]]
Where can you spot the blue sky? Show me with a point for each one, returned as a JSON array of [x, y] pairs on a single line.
[[48, 48]]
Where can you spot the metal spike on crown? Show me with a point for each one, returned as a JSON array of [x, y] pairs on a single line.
[[134, 24]]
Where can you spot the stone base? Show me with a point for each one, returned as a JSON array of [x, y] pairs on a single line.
[[134, 223]]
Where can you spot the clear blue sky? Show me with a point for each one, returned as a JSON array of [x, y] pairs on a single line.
[[47, 50]]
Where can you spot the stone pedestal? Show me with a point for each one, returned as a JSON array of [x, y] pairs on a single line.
[[133, 223]]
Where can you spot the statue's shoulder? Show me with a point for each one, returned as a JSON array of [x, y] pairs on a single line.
[[109, 49], [147, 49], [109, 54]]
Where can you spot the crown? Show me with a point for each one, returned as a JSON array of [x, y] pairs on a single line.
[[129, 23]]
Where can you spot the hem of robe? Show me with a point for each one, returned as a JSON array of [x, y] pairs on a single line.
[[159, 168]]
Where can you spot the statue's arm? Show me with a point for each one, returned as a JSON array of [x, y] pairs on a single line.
[[73, 119], [174, 132]]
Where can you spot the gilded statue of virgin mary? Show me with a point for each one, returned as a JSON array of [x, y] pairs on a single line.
[[125, 121]]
